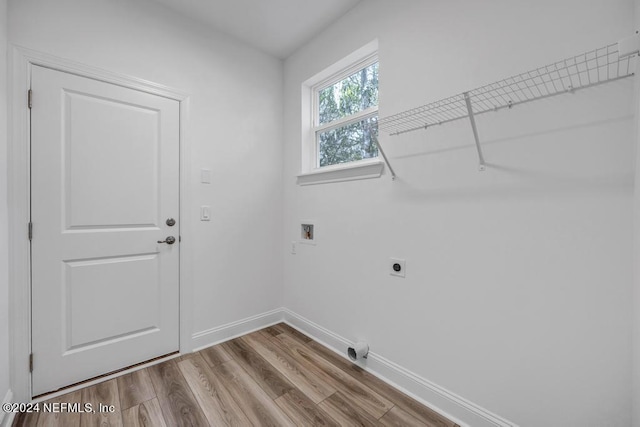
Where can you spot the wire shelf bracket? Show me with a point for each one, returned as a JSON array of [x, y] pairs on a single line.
[[386, 159], [610, 63], [472, 119]]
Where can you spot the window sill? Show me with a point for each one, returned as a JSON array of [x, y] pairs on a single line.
[[342, 173]]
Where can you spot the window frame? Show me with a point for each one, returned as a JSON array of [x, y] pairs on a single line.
[[311, 171], [318, 128]]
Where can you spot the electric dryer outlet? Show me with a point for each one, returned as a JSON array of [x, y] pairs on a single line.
[[397, 267]]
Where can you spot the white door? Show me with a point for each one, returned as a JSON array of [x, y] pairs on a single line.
[[104, 182]]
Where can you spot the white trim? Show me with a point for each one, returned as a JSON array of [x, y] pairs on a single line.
[[365, 169], [344, 67], [21, 61], [7, 420], [413, 383], [447, 403], [229, 331], [443, 401], [369, 57], [18, 201], [360, 116], [186, 232], [361, 58], [46, 60]]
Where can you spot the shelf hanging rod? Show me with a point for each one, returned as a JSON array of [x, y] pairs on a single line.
[[386, 160], [472, 119]]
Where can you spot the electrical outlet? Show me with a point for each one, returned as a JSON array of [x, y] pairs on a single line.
[[397, 267], [293, 248]]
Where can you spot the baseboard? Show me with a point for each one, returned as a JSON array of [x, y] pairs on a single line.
[[236, 329], [6, 419], [449, 404]]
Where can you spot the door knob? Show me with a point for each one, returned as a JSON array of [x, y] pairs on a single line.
[[169, 240]]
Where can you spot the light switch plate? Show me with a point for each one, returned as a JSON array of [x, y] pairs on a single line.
[[205, 176], [205, 213]]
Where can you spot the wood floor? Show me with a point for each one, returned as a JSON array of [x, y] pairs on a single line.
[[273, 377]]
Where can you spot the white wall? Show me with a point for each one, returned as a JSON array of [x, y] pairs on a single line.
[[518, 287], [4, 254], [518, 279], [234, 128]]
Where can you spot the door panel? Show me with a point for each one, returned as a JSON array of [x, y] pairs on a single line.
[[105, 177], [115, 317], [124, 132]]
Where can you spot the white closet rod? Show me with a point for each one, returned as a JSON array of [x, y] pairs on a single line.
[[592, 68]]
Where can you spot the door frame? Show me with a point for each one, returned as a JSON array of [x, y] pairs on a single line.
[[18, 160]]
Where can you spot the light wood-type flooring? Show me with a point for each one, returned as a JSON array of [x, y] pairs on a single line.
[[274, 377]]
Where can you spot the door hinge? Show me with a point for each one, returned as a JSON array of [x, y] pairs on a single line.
[[30, 98], [31, 362], [30, 230]]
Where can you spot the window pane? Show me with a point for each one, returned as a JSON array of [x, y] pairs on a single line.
[[349, 143], [355, 93]]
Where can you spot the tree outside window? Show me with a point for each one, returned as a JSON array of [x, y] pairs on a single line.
[[347, 118]]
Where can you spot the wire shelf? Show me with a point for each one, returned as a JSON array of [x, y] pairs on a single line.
[[588, 69]]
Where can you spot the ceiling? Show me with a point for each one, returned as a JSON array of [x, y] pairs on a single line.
[[277, 27]]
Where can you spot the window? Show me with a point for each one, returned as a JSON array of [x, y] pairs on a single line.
[[346, 118], [340, 120]]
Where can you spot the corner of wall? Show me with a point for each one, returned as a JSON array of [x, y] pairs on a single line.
[[635, 397], [446, 403]]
